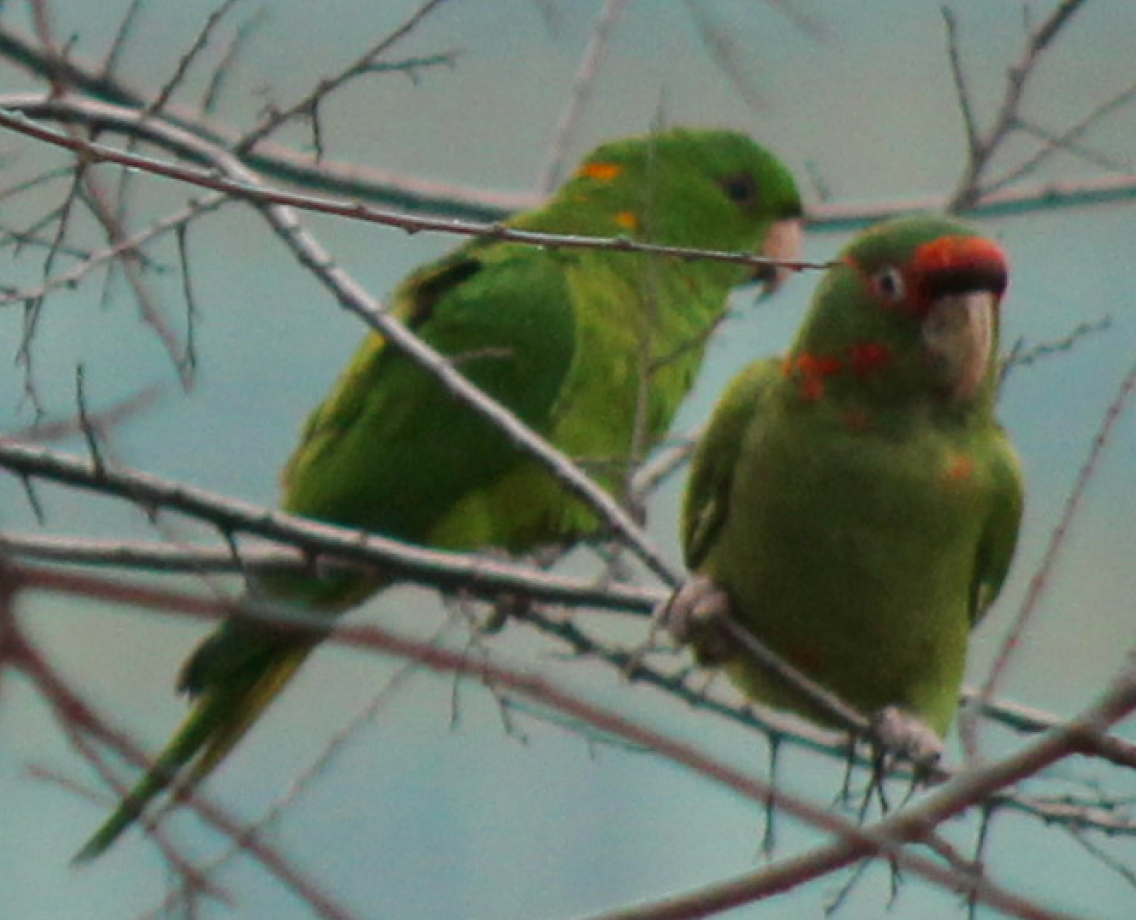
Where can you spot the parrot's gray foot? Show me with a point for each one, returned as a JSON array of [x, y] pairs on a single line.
[[694, 615], [903, 735]]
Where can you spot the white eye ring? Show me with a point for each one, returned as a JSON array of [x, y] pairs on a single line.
[[888, 284]]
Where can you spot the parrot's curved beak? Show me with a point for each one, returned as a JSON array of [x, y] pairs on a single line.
[[783, 243], [959, 331]]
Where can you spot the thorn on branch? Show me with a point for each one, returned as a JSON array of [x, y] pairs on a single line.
[[86, 424], [412, 67]]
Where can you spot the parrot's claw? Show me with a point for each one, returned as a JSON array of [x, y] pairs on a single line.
[[904, 735], [694, 615]]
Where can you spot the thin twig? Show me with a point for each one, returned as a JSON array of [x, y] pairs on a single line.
[[148, 310], [100, 422], [981, 148], [121, 37], [962, 91], [227, 64], [297, 167], [363, 64], [130, 244], [730, 56], [255, 830], [1064, 139], [158, 103], [578, 95], [1022, 356]]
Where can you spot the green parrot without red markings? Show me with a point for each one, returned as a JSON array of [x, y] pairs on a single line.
[[592, 349], [855, 506]]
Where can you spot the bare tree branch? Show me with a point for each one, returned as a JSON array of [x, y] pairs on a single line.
[[79, 718], [477, 575], [886, 837], [298, 167], [17, 112], [981, 148], [192, 53], [307, 106]]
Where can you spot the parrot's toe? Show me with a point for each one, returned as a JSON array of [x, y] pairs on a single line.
[[694, 615], [906, 736]]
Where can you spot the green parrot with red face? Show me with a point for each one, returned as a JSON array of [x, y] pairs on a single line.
[[593, 349], [855, 505]]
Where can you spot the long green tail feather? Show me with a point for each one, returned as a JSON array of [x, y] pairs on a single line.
[[219, 719]]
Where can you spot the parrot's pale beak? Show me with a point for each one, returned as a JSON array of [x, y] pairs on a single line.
[[783, 243], [959, 332]]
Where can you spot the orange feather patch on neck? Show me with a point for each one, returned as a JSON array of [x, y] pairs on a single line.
[[601, 172], [863, 359], [627, 220], [960, 469]]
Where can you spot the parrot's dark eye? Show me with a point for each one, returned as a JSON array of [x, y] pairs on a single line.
[[888, 284], [741, 188]]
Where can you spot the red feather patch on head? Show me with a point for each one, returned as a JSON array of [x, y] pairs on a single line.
[[975, 262], [947, 261], [960, 252]]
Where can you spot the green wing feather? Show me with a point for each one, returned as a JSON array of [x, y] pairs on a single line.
[[1000, 536], [717, 455], [507, 322]]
